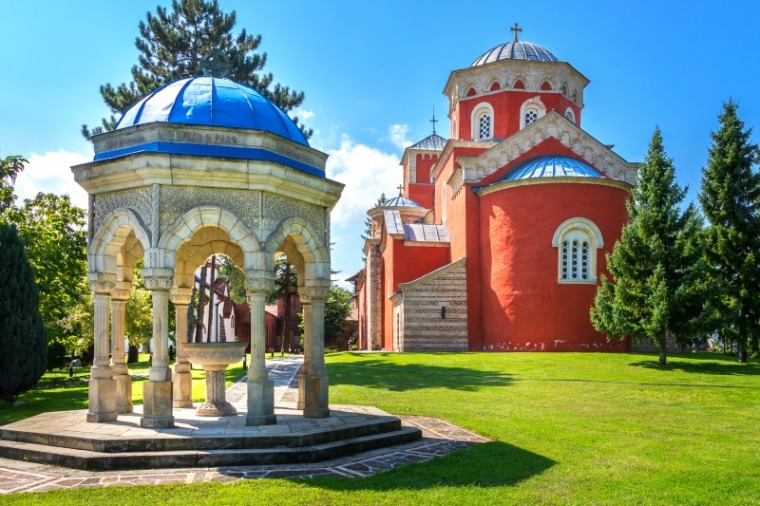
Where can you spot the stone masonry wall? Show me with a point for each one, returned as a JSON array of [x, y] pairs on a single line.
[[421, 326]]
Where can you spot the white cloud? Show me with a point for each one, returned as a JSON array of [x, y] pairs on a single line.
[[367, 172], [51, 173], [397, 135], [302, 114]]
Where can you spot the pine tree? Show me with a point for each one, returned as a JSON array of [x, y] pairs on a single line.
[[730, 196], [656, 291], [196, 34], [368, 223], [23, 342]]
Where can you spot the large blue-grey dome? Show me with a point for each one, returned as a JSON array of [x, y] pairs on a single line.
[[517, 50], [548, 166], [212, 101]]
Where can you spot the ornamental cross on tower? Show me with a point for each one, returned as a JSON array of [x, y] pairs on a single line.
[[400, 190], [516, 29], [433, 121]]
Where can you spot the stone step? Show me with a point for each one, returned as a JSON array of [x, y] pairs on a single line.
[[202, 443], [93, 460]]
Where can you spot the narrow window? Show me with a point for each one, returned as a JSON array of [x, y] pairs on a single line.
[[443, 312], [545, 86], [495, 87], [519, 85], [484, 127], [471, 92], [530, 116]]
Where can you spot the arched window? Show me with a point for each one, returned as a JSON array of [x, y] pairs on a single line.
[[569, 114], [531, 110], [495, 86], [519, 85], [577, 241], [471, 92], [482, 122], [546, 86]]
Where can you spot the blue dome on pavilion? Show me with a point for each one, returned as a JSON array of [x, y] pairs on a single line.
[[212, 101]]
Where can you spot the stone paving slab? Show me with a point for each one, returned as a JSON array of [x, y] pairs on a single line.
[[439, 438]]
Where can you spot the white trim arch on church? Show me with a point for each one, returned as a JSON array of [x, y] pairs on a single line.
[[577, 241]]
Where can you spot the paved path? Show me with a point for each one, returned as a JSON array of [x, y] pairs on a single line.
[[439, 438]]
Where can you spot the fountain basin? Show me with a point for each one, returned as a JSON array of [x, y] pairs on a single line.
[[215, 358]]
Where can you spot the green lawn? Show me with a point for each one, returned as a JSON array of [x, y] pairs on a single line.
[[567, 428], [56, 391]]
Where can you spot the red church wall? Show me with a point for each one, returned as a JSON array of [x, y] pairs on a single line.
[[424, 163], [421, 193], [404, 263], [506, 110], [523, 305]]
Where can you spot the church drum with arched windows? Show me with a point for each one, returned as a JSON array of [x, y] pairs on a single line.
[[498, 239]]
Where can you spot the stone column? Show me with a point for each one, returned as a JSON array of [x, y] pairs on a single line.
[[183, 377], [101, 405], [119, 298], [312, 382], [260, 388], [157, 392]]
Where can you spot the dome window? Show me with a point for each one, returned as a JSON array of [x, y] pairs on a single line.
[[577, 240], [519, 85], [482, 121], [546, 86], [471, 92], [495, 87], [531, 110]]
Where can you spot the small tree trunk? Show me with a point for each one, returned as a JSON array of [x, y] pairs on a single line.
[[742, 352], [663, 342]]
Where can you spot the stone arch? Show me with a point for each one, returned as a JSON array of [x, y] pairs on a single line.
[[106, 252], [184, 227], [307, 244]]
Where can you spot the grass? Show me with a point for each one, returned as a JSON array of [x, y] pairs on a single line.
[[567, 428], [56, 391]]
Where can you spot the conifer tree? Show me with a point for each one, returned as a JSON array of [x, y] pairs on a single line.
[[23, 342], [656, 290], [730, 196], [194, 35]]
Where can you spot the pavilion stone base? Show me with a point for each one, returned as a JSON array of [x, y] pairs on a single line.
[[157, 405], [102, 401], [315, 396], [123, 393], [260, 403], [183, 390]]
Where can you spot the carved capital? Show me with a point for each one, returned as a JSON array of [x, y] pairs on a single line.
[[259, 281], [314, 290], [121, 291], [180, 296], [102, 282], [158, 279]]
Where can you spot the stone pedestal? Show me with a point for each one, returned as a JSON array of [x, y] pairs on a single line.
[[216, 401], [102, 401], [183, 386], [123, 393], [315, 400], [157, 405], [260, 403]]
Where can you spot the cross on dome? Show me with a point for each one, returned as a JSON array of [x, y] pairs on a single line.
[[433, 121], [516, 29], [400, 189]]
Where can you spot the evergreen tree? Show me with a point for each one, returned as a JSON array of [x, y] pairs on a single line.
[[194, 36], [285, 288], [337, 311], [368, 223], [656, 291], [23, 342], [730, 196]]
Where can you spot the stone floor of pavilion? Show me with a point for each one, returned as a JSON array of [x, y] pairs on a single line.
[[353, 441]]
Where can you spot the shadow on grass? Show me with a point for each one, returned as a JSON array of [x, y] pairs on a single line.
[[493, 464], [402, 377], [723, 365]]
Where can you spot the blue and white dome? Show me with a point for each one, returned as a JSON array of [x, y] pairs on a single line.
[[549, 166], [212, 101], [517, 50], [400, 201]]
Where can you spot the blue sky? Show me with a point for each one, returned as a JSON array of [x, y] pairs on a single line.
[[374, 71]]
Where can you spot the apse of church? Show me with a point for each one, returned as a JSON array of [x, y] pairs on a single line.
[[498, 237]]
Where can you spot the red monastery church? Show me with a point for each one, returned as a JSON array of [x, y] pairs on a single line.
[[497, 241]]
